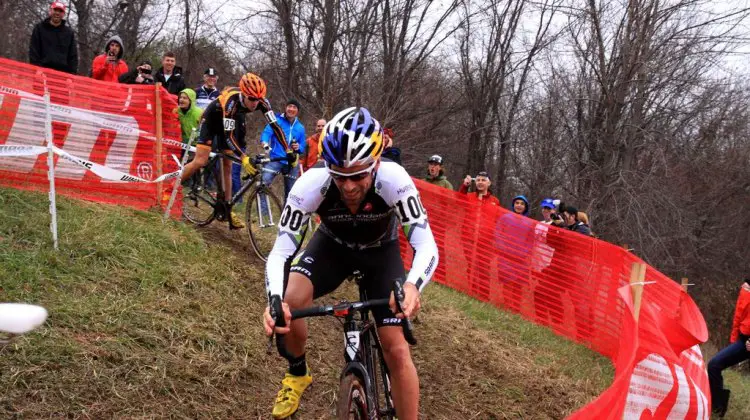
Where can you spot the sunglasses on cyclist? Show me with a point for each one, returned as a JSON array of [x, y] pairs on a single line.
[[353, 177], [357, 176]]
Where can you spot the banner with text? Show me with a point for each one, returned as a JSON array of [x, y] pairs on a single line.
[[105, 135]]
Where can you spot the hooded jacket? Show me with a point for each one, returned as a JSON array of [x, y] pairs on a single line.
[[54, 47], [191, 118], [102, 69], [522, 198], [440, 180], [293, 131], [176, 82]]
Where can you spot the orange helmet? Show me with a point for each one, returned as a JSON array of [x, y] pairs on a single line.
[[252, 86]]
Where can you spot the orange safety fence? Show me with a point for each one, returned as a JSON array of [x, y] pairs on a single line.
[[580, 288], [93, 123]]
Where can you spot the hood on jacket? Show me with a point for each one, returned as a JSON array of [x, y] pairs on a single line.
[[525, 200], [191, 95], [118, 40]]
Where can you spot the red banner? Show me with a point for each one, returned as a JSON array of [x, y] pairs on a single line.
[[94, 122], [580, 288]]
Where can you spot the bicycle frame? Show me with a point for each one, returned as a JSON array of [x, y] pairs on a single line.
[[360, 336], [249, 182]]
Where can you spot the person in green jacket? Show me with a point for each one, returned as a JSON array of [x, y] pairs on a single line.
[[435, 173], [188, 113]]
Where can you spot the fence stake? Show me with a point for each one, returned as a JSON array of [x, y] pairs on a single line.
[[50, 165], [177, 180], [159, 134], [637, 277]]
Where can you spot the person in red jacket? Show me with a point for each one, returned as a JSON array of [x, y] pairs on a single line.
[[482, 191], [736, 352], [110, 65], [477, 233]]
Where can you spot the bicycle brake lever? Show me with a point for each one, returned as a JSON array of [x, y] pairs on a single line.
[[408, 327]]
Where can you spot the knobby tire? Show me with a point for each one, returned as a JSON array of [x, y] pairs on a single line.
[[352, 404]]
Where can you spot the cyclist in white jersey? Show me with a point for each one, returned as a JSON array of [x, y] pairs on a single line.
[[360, 200]]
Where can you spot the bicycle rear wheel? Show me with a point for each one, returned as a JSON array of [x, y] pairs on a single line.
[[198, 202], [262, 214], [352, 403]]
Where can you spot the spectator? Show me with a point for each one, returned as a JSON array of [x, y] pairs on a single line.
[[390, 152], [208, 92], [140, 75], [514, 243], [548, 210], [188, 113], [435, 173], [312, 154], [169, 75], [520, 205], [294, 132], [736, 352], [53, 43], [476, 233], [570, 216], [110, 65], [482, 193]]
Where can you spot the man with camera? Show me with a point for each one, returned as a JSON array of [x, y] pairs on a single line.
[[141, 75], [110, 65]]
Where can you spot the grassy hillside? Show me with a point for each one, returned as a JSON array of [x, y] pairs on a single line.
[[153, 320]]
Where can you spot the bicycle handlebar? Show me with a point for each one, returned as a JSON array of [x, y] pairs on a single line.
[[343, 308]]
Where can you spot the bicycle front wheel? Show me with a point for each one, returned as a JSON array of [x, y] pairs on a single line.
[[352, 403], [198, 202], [262, 214]]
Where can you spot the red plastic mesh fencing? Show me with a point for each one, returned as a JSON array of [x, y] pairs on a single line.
[[580, 288], [111, 124]]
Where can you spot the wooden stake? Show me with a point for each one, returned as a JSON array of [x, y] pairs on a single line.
[[159, 134], [684, 284], [637, 277]]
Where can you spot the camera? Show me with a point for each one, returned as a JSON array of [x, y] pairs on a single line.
[[142, 70]]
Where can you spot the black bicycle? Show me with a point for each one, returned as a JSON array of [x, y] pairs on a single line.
[[203, 201], [365, 386]]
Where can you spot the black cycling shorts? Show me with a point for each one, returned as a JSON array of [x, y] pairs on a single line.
[[327, 264]]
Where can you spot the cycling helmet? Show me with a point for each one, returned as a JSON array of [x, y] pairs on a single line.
[[252, 86], [548, 203], [353, 137]]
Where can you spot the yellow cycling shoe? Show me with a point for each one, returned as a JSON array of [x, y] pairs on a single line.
[[287, 400], [236, 221]]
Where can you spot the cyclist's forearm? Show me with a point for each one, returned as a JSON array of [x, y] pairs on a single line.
[[275, 271], [425, 256]]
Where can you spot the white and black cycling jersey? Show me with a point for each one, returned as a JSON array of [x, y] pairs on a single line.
[[392, 199]]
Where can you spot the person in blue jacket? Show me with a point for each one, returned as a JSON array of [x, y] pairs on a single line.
[[295, 136], [515, 236]]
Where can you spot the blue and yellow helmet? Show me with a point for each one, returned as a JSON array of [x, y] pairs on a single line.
[[353, 137]]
